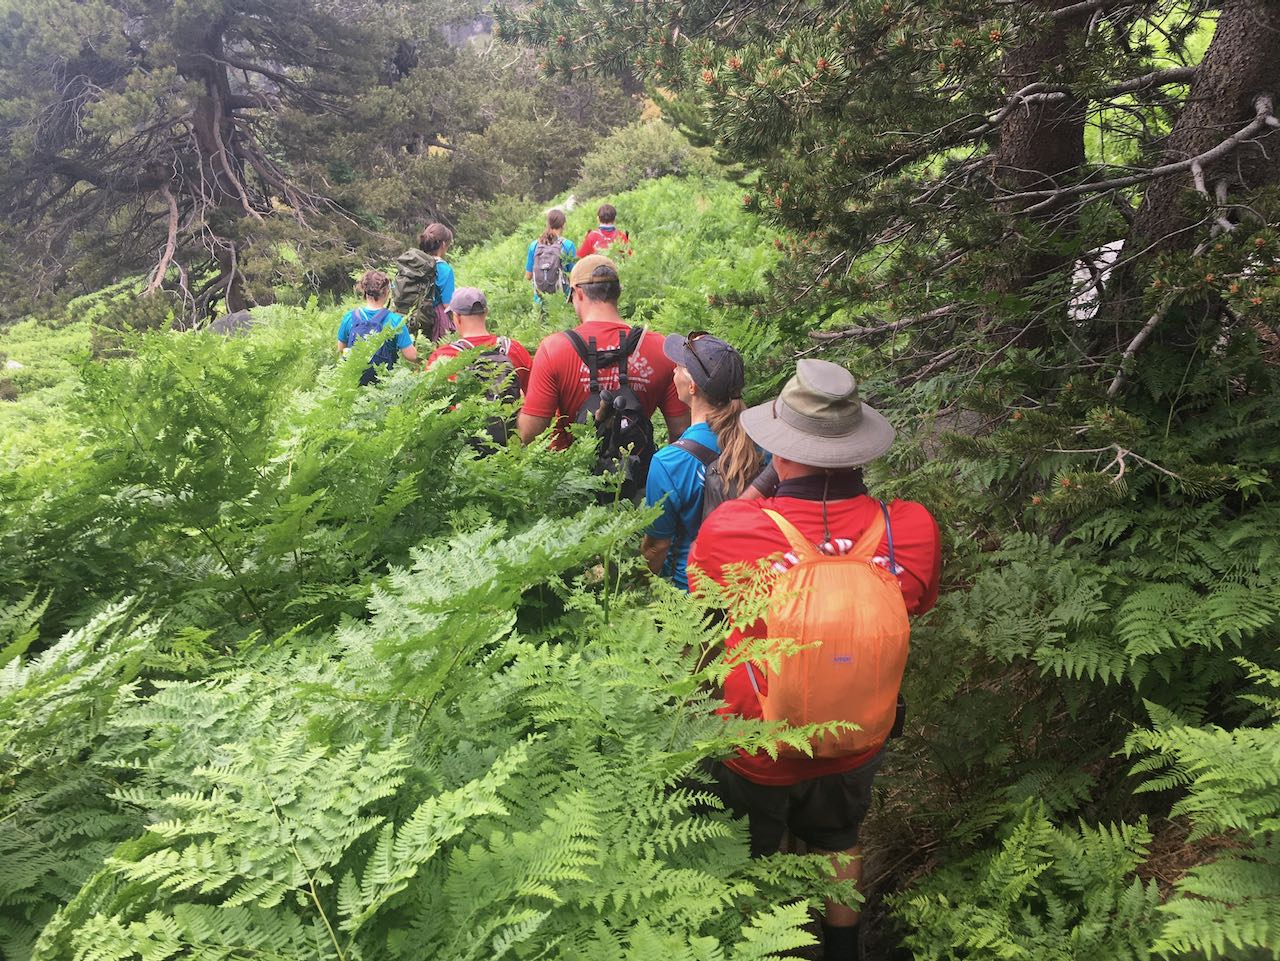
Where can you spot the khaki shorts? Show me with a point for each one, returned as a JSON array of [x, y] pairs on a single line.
[[825, 812]]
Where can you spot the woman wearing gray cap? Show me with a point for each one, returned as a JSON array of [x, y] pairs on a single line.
[[708, 378]]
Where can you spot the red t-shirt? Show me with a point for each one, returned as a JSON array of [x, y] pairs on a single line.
[[598, 240], [560, 383], [520, 358], [739, 531]]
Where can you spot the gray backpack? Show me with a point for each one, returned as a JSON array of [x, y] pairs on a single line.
[[548, 268], [713, 487]]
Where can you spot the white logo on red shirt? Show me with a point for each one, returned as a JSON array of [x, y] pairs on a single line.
[[639, 371]]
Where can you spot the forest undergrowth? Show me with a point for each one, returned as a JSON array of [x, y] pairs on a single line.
[[287, 672]]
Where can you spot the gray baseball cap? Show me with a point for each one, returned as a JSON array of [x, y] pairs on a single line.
[[468, 300], [712, 363]]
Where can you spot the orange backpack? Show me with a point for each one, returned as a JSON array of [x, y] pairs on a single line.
[[856, 609]]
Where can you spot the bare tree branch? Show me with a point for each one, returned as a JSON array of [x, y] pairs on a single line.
[[827, 336], [142, 182], [171, 243], [1047, 198], [1136, 344]]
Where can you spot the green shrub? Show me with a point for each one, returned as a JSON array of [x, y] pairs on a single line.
[[643, 151]]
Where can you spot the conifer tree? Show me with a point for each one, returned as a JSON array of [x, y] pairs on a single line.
[[999, 154], [147, 133]]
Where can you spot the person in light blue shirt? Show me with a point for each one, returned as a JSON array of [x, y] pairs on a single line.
[[709, 378], [552, 236], [375, 320], [425, 282]]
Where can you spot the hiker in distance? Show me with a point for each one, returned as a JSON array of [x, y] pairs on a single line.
[[425, 283], [470, 311], [603, 372], [714, 460], [605, 235], [849, 569], [374, 319], [550, 256]]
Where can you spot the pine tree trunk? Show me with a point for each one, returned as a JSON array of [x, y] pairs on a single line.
[[1039, 142], [222, 190], [1242, 62]]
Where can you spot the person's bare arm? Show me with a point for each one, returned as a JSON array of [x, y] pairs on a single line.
[[530, 426], [677, 424], [528, 275], [342, 347], [765, 484], [410, 354], [655, 552]]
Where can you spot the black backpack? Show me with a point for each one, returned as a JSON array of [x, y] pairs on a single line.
[[496, 367], [624, 433]]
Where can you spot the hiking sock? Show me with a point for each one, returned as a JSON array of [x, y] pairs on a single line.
[[841, 943]]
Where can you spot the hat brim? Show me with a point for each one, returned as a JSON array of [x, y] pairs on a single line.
[[673, 345], [872, 437]]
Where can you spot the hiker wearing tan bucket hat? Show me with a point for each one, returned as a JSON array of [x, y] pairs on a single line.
[[849, 570]]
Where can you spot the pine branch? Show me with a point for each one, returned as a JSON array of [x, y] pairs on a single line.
[[828, 336], [1049, 198]]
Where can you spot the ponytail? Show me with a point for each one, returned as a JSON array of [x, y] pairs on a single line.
[[555, 224], [433, 236], [740, 460]]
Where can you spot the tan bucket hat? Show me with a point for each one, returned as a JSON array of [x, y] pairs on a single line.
[[819, 421]]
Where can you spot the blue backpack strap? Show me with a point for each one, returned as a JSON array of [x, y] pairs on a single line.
[[378, 317], [888, 533]]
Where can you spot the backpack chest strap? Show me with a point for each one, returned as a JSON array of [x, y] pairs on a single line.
[[863, 549]]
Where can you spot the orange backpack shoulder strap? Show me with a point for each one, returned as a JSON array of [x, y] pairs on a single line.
[[865, 547], [799, 543]]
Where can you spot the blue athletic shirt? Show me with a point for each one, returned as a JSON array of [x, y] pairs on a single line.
[[678, 476], [394, 321], [444, 283]]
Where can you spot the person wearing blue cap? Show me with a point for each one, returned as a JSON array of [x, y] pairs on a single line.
[[713, 460]]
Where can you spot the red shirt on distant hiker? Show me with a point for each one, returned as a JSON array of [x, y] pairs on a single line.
[[469, 310], [560, 383], [605, 235]]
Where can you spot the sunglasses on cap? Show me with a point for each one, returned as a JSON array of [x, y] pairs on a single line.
[[688, 346]]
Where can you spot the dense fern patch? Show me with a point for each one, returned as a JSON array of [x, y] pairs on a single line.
[[286, 671]]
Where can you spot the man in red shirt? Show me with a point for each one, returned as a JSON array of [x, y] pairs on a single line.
[[560, 382], [820, 435], [605, 235], [470, 312]]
